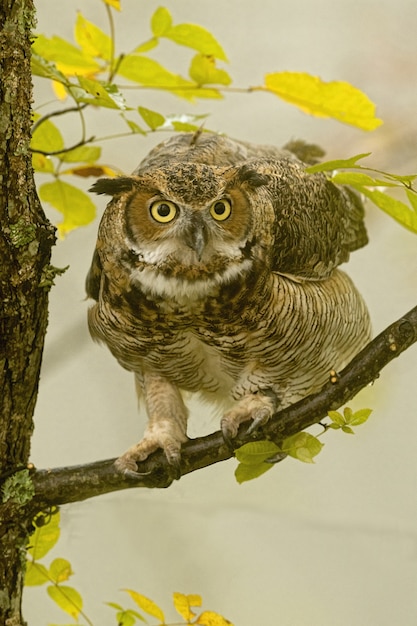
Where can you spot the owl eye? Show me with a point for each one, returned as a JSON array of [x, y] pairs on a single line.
[[221, 209], [163, 211]]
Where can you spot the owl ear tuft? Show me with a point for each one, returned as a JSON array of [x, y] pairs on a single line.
[[113, 186], [247, 174]]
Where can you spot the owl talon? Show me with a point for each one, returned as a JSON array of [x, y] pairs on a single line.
[[127, 463], [260, 419], [228, 440]]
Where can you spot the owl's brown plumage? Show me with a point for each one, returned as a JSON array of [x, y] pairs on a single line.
[[215, 272]]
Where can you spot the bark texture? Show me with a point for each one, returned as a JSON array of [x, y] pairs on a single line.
[[26, 239]]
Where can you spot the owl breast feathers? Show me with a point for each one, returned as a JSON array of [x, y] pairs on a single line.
[[215, 272]]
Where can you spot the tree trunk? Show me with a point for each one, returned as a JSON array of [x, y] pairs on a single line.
[[26, 239]]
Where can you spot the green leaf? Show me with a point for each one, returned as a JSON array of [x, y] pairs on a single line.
[[405, 179], [125, 618], [184, 122], [75, 205], [348, 430], [114, 605], [135, 128], [337, 164], [184, 127], [336, 417], [336, 99], [245, 472], [354, 178], [67, 598], [46, 69], [360, 417], [44, 538], [98, 94], [196, 37], [68, 58], [412, 197], [47, 137], [147, 605], [203, 71], [395, 208], [60, 570], [302, 446], [36, 574], [161, 21], [256, 452], [82, 154], [152, 118], [91, 39], [347, 414]]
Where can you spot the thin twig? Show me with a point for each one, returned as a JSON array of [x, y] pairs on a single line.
[[82, 142], [41, 120]]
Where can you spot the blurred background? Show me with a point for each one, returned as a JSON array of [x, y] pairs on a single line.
[[329, 544]]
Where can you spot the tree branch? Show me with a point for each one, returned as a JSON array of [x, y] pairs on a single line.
[[71, 484]]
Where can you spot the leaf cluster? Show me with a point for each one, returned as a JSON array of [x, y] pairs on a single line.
[[184, 604], [70, 600], [90, 72], [372, 183], [257, 457]]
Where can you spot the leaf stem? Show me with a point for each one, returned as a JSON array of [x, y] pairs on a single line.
[[112, 67]]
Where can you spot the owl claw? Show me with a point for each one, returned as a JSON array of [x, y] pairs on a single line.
[[256, 407], [127, 463], [260, 419]]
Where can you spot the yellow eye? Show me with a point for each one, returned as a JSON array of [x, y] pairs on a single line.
[[163, 211], [221, 210]]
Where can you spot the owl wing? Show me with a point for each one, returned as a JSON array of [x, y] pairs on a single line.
[[317, 224], [93, 280]]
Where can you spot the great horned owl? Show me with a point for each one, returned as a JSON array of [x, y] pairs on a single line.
[[215, 273]]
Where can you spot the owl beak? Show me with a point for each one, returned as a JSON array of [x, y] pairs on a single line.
[[196, 238]]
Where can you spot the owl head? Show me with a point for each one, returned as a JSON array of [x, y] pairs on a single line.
[[191, 226]]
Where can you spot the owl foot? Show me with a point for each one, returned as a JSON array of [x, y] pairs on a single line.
[[256, 407], [127, 463]]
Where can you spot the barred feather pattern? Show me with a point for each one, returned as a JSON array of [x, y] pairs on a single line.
[[215, 272]]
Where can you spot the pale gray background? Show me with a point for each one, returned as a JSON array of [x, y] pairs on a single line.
[[332, 544]]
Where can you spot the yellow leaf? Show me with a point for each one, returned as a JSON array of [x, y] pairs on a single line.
[[36, 574], [336, 99], [183, 604], [204, 71], [59, 90], [161, 21], [196, 37], [146, 605], [46, 136], [93, 41], [113, 3], [209, 618], [67, 598], [60, 570], [68, 59], [75, 205]]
